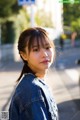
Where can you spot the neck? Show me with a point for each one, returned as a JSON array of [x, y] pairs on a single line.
[[41, 74]]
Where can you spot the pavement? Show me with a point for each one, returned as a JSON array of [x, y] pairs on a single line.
[[64, 89]]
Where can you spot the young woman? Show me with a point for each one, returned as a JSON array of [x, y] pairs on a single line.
[[32, 99]]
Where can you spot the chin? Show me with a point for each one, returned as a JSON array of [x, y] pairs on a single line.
[[47, 67]]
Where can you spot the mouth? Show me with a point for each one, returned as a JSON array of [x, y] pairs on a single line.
[[45, 61]]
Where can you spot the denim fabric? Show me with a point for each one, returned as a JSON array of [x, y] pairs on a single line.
[[32, 100]]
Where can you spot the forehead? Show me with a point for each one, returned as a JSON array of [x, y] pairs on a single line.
[[40, 42]]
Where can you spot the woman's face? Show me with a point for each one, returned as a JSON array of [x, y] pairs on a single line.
[[40, 58]]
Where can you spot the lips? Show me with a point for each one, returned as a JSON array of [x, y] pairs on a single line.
[[45, 61]]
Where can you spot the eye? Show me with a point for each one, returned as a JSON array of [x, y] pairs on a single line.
[[35, 49], [47, 47]]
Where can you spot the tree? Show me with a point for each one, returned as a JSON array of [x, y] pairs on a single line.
[[6, 7], [71, 15], [8, 12]]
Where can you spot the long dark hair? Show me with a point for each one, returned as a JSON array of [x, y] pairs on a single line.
[[27, 38]]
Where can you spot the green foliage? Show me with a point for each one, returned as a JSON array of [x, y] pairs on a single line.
[[22, 22], [12, 28], [5, 7], [76, 25], [71, 13], [71, 16]]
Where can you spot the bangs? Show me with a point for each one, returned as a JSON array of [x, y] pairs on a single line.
[[39, 40]]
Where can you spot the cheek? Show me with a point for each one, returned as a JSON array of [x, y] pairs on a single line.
[[34, 56]]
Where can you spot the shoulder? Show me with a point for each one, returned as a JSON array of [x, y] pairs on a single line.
[[27, 90], [27, 84]]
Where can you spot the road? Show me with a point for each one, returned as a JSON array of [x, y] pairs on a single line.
[[63, 79]]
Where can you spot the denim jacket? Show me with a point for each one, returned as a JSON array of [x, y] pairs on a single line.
[[32, 101]]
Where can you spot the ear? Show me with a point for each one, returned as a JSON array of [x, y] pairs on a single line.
[[24, 55]]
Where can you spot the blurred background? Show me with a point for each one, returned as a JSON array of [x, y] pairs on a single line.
[[61, 19]]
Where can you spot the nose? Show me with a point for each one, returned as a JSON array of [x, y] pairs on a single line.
[[44, 53]]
